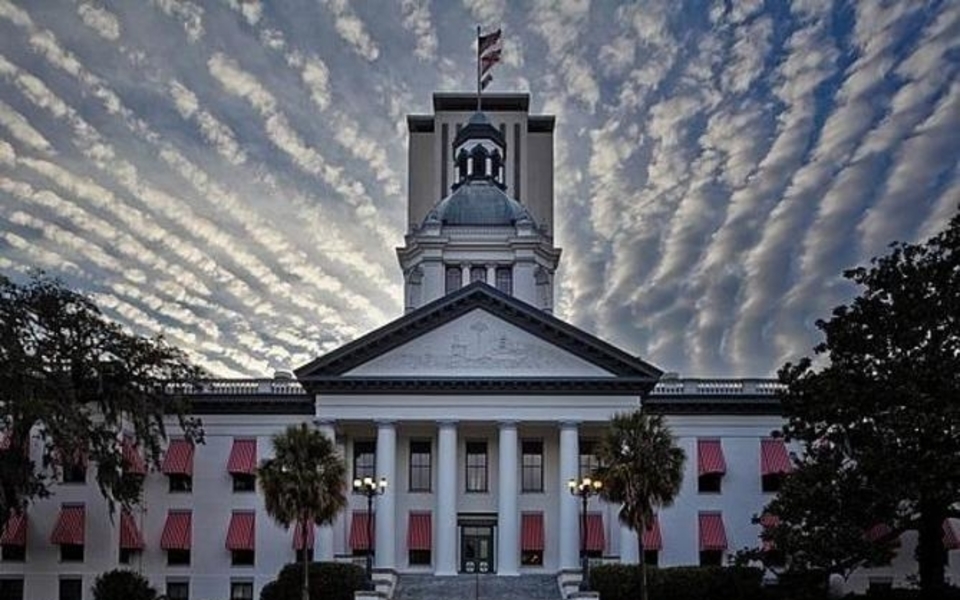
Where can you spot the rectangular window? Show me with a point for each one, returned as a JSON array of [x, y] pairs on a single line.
[[244, 483], [241, 590], [771, 483], [711, 558], [299, 556], [452, 279], [178, 558], [71, 588], [75, 472], [364, 459], [505, 280], [478, 274], [476, 466], [651, 557], [419, 558], [531, 474], [13, 553], [709, 483], [420, 466], [126, 556], [180, 483], [11, 589], [588, 458], [242, 558], [178, 590], [71, 552]]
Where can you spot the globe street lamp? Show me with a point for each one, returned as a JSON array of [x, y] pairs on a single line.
[[371, 489], [584, 489]]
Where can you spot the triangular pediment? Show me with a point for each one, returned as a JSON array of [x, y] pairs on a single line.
[[477, 337]]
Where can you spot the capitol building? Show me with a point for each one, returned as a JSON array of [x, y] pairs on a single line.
[[476, 406]]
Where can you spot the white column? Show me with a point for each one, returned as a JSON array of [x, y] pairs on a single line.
[[385, 523], [569, 505], [629, 548], [323, 549], [508, 562], [465, 274], [445, 519], [492, 274]]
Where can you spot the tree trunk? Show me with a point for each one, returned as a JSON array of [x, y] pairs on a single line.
[[930, 550], [643, 560], [305, 594]]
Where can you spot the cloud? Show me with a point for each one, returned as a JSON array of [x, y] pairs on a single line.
[[100, 20], [352, 30]]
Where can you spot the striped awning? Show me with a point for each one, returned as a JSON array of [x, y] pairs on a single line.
[[531, 532], [712, 534], [420, 531], [177, 531], [243, 458], [358, 531], [130, 537], [70, 526], [768, 521], [951, 537], [595, 540], [132, 461], [774, 457], [179, 458], [15, 530], [652, 539], [298, 535], [710, 457], [242, 533]]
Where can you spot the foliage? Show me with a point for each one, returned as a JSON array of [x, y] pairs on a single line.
[[883, 407], [328, 581], [75, 381], [622, 582], [120, 584], [642, 468], [304, 481]]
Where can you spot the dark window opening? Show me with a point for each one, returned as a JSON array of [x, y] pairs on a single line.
[[476, 466], [589, 462], [531, 474], [419, 557], [71, 589], [711, 558], [241, 590], [651, 557], [13, 553], [771, 483], [709, 483], [126, 555], [420, 466], [364, 459], [531, 558], [594, 554], [243, 482], [11, 589], [299, 554], [178, 590], [181, 483], [242, 558], [75, 472], [505, 280], [478, 274], [178, 557], [71, 552]]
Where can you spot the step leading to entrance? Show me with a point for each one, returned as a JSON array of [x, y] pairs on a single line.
[[477, 587]]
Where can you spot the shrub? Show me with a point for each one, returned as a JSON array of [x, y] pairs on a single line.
[[622, 582], [328, 581], [122, 585]]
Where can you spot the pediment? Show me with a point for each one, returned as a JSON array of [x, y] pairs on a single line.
[[478, 344]]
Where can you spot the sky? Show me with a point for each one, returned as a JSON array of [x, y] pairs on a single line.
[[232, 174]]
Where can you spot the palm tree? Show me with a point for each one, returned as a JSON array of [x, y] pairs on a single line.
[[304, 482], [641, 468]]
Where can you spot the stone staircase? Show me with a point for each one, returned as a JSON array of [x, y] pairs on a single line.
[[473, 587]]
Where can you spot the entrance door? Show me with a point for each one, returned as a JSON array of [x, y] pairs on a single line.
[[476, 549]]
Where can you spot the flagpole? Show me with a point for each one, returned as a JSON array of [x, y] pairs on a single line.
[[478, 70]]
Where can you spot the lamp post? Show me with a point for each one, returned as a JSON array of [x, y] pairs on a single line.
[[371, 489], [584, 489]]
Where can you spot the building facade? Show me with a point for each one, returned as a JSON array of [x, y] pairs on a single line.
[[477, 406]]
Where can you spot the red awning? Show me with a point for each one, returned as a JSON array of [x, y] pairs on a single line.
[[877, 532], [358, 531], [951, 539], [15, 530], [243, 458], [130, 537], [179, 458], [595, 541], [652, 539], [710, 457], [531, 532], [420, 531], [712, 534], [133, 462], [177, 531], [70, 526], [768, 521], [298, 536], [242, 533], [774, 457]]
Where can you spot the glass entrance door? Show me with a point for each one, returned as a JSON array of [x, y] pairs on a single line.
[[476, 549]]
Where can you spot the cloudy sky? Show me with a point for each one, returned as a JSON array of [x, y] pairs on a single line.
[[232, 174]]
